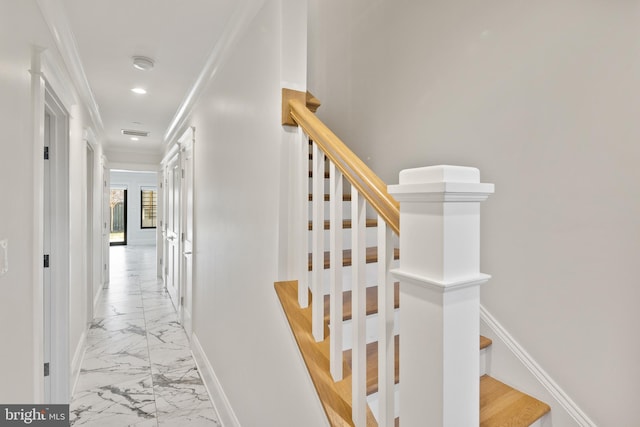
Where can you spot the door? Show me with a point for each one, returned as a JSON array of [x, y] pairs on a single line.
[[89, 252], [186, 312], [172, 232], [118, 203], [106, 220], [46, 278]]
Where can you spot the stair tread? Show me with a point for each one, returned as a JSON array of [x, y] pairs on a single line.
[[345, 224], [345, 197], [372, 364], [371, 304], [371, 256], [484, 342], [502, 405]]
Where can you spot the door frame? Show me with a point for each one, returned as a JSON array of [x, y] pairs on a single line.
[[89, 225], [125, 207], [51, 93], [187, 145]]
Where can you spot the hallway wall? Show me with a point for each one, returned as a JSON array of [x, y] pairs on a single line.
[[22, 28], [543, 97], [238, 161]]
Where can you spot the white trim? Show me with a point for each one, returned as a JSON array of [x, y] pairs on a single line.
[[58, 80], [90, 137], [438, 285], [540, 374], [216, 393], [76, 363], [37, 112], [239, 21], [54, 16], [96, 299], [175, 148], [134, 167]]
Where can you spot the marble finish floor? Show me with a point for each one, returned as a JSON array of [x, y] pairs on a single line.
[[138, 369]]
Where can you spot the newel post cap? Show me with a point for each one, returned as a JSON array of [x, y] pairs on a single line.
[[441, 183]]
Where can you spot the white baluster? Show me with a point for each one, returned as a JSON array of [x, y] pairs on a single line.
[[358, 309], [303, 194], [317, 288], [335, 302], [386, 342]]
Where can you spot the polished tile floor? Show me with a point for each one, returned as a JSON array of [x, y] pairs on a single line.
[[138, 370]]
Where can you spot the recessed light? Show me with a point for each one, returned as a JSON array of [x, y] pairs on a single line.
[[138, 90], [133, 138], [143, 63]]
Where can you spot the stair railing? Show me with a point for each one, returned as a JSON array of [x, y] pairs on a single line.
[[439, 276]]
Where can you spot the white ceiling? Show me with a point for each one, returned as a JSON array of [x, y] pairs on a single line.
[[178, 35]]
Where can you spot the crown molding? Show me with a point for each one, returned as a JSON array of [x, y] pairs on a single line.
[[60, 29], [236, 25]]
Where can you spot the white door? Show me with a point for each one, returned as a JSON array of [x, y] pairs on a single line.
[[172, 233], [186, 312], [106, 223], [46, 284]]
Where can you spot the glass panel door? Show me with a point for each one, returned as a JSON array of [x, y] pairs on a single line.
[[118, 202]]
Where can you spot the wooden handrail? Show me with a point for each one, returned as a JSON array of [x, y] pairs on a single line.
[[372, 188]]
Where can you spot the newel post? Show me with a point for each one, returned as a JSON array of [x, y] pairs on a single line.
[[440, 282]]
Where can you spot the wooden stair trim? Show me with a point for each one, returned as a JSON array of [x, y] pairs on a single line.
[[315, 355], [346, 224], [501, 405], [484, 342], [370, 257], [354, 170], [371, 304]]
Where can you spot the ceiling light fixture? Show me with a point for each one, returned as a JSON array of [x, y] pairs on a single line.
[[138, 90], [134, 138], [143, 63]]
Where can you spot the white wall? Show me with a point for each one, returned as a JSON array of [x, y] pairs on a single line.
[[134, 181], [544, 98], [238, 161], [21, 28]]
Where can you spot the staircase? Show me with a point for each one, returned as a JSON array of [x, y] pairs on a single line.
[[499, 405]]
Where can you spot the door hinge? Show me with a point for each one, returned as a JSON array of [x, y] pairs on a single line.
[[161, 185], [183, 173], [46, 153], [46, 369], [182, 236], [181, 300], [46, 261]]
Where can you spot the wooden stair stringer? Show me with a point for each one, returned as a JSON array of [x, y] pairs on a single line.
[[335, 403]]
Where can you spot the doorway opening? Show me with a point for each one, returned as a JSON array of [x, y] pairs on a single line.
[[118, 230]]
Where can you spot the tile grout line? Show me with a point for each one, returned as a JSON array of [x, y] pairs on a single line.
[[146, 336]]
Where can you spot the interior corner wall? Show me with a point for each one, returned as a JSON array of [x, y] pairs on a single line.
[[543, 97], [134, 181], [237, 316]]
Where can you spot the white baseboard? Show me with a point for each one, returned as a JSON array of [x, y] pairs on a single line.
[[96, 299], [540, 375], [212, 384], [76, 363]]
